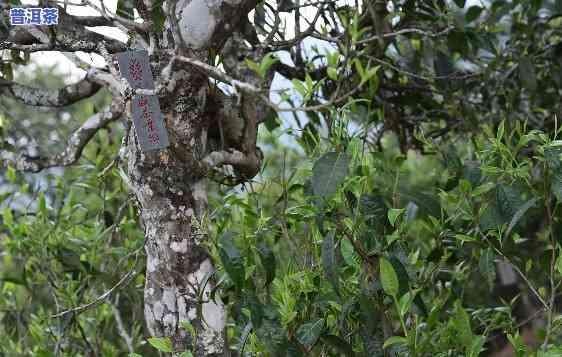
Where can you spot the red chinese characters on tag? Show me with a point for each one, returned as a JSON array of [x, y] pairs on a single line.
[[135, 70], [149, 124]]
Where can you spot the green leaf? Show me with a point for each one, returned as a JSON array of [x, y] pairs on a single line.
[[473, 13], [267, 258], [461, 322], [519, 214], [553, 156], [308, 333], [332, 73], [162, 344], [42, 204], [186, 354], [329, 260], [328, 173], [268, 60], [507, 200], [158, 17], [348, 253], [527, 74], [465, 238], [486, 265], [125, 9], [252, 65], [389, 279], [477, 346], [369, 74], [134, 355], [501, 130], [395, 340], [187, 326], [401, 274], [340, 344], [393, 215], [299, 87], [559, 262], [11, 175], [405, 303], [556, 185], [7, 216], [273, 333], [7, 71], [231, 259], [460, 3]]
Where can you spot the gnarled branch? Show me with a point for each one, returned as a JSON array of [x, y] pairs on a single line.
[[50, 97]]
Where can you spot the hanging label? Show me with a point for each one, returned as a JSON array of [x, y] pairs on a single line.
[[148, 121]]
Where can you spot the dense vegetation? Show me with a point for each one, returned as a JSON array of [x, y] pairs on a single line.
[[410, 204]]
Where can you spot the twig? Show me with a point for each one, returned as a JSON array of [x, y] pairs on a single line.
[[79, 309]]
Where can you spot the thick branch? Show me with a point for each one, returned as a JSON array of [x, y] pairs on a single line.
[[76, 143], [50, 97], [247, 165]]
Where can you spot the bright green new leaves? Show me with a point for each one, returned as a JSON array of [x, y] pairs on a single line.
[[162, 344], [461, 323], [389, 279], [263, 67], [329, 172], [393, 215], [395, 340]]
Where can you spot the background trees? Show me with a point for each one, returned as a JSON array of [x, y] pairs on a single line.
[[405, 199]]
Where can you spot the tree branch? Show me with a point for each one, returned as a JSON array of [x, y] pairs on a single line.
[[76, 143], [50, 97]]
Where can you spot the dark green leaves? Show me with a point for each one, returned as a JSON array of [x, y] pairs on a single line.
[[339, 344], [461, 323], [329, 260], [460, 3], [125, 9], [553, 157], [487, 267], [158, 17], [473, 13], [328, 172], [268, 261], [527, 74], [231, 258], [308, 333], [519, 214]]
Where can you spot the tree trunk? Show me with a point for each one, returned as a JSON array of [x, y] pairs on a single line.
[[173, 200]]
